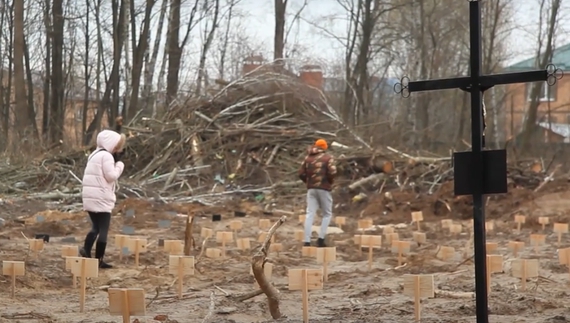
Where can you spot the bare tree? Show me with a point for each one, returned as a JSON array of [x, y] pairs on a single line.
[[279, 35], [207, 43], [57, 113]]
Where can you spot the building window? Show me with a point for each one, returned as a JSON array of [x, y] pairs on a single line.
[[547, 92]]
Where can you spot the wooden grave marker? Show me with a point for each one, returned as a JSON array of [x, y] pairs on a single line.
[[363, 225], [324, 256], [401, 248], [391, 237], [224, 237], [564, 257], [263, 235], [446, 223], [267, 270], [388, 229], [206, 233], [243, 244], [445, 253], [559, 229], [519, 220], [370, 242], [523, 269], [121, 244], [455, 229], [340, 221], [300, 235], [36, 245], [490, 226], [181, 266], [418, 217], [309, 252], [305, 280], [537, 240], [174, 247], [419, 237], [302, 218], [127, 302], [235, 226], [491, 247], [137, 246], [13, 269], [515, 247], [70, 251], [213, 253], [494, 265], [276, 247], [264, 224], [84, 268], [418, 287], [543, 221]]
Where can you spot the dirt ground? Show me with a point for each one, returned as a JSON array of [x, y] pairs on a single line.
[[351, 294]]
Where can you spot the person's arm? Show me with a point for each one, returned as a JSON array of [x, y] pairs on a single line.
[[111, 170], [331, 170], [303, 171]]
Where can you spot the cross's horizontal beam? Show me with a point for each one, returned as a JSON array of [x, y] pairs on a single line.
[[486, 81]]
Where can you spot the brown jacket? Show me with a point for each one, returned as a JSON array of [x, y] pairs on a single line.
[[318, 170]]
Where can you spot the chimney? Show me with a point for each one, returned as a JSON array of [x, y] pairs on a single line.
[[251, 63], [312, 75]]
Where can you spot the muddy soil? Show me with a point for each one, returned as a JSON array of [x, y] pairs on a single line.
[[352, 293]]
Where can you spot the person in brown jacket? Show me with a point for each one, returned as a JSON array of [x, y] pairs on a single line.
[[318, 172]]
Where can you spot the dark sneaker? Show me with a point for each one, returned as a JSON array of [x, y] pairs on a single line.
[[104, 265], [321, 243], [307, 244], [83, 253]]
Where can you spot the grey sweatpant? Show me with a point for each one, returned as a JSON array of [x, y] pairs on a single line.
[[317, 198]]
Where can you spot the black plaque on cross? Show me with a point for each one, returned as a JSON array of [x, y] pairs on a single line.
[[479, 172]]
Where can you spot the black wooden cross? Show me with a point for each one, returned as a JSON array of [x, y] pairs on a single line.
[[479, 172]]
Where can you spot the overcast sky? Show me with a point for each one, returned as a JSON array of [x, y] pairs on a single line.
[[260, 22]]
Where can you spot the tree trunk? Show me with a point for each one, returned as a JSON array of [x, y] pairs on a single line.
[[56, 120], [23, 125], [174, 52], [279, 36]]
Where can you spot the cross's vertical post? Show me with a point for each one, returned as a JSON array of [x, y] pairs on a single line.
[[477, 163]]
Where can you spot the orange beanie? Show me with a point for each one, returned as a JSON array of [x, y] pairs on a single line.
[[321, 143]]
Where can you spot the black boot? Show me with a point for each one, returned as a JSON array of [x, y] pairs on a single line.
[[100, 254], [88, 245], [321, 243], [307, 244]]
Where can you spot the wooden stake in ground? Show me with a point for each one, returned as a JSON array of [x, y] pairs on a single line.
[[559, 229], [174, 247], [258, 262], [491, 247], [300, 236], [224, 237], [127, 302], [340, 221], [243, 244], [418, 217], [121, 243], [446, 223], [136, 246], [401, 248], [302, 218], [309, 252], [236, 226], [523, 269], [543, 221], [214, 253], [388, 230], [363, 225], [494, 265], [84, 268], [36, 245], [69, 251], [188, 237], [515, 247], [264, 224], [206, 233], [419, 237], [455, 229], [445, 253], [537, 240], [324, 256], [389, 237], [370, 242], [564, 257], [305, 280], [13, 269], [181, 266], [489, 226], [418, 286], [519, 220]]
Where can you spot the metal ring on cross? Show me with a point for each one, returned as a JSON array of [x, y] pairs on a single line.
[[402, 87]]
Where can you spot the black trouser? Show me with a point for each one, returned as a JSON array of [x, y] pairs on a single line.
[[100, 223]]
